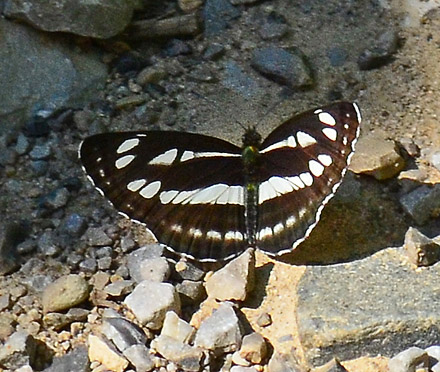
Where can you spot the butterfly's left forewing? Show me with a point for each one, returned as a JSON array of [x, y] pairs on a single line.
[[302, 164], [186, 188]]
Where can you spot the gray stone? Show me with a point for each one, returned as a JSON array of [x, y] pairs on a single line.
[[191, 292], [274, 27], [75, 225], [220, 332], [139, 356], [381, 305], [185, 356], [64, 293], [421, 250], [434, 159], [408, 360], [143, 253], [98, 19], [253, 348], [104, 263], [434, 352], [47, 244], [104, 352], [381, 52], [150, 301], [5, 302], [243, 369], [22, 145], [233, 281], [10, 235], [188, 271], [283, 363], [89, 265], [77, 360], [422, 203], [43, 72], [96, 236], [376, 156], [177, 328], [18, 350], [127, 244], [123, 333], [282, 66], [41, 152], [56, 199], [152, 269], [119, 287], [264, 320]]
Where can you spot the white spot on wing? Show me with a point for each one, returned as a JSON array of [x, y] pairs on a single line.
[[330, 133], [150, 190], [102, 173], [326, 118], [358, 112], [124, 161], [184, 197], [296, 181], [166, 158], [209, 194], [167, 196], [305, 139], [316, 168], [196, 233], [291, 221], [289, 142], [266, 192], [234, 235], [187, 155], [307, 178], [214, 235], [136, 185], [278, 228], [325, 159], [127, 145], [264, 233]]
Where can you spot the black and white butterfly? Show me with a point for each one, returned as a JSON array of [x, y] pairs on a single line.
[[209, 199]]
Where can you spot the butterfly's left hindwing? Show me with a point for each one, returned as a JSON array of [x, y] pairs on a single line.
[[186, 188]]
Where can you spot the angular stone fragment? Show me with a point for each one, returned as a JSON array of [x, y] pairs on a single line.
[[150, 301], [408, 360], [177, 328], [233, 281], [18, 350], [220, 332], [421, 250], [422, 203], [103, 352], [185, 356], [186, 270], [377, 157], [283, 362], [153, 269], [253, 348], [64, 293], [75, 361], [122, 333], [191, 292], [139, 356]]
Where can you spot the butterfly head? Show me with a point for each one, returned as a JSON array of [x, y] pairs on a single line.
[[251, 138]]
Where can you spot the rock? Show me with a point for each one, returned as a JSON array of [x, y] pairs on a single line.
[[185, 356], [41, 152], [97, 19], [43, 72], [253, 348], [239, 81], [288, 68], [214, 51], [188, 271], [142, 254], [47, 243], [96, 236], [25, 368], [18, 350], [283, 363], [395, 311], [122, 333], [127, 244], [434, 159], [191, 292], [422, 203], [64, 293], [22, 145], [217, 15], [75, 225], [88, 265], [434, 353], [151, 269], [59, 321], [333, 366], [150, 301], [381, 51], [139, 356], [233, 281], [421, 250], [243, 369], [7, 325], [11, 233], [104, 263], [177, 328], [264, 320], [77, 360], [5, 302], [337, 56], [151, 75], [220, 332], [408, 360], [376, 157], [239, 361], [104, 353], [119, 288]]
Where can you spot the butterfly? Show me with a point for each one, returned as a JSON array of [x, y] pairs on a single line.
[[209, 199]]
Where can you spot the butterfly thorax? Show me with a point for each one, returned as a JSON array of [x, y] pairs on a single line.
[[251, 160]]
